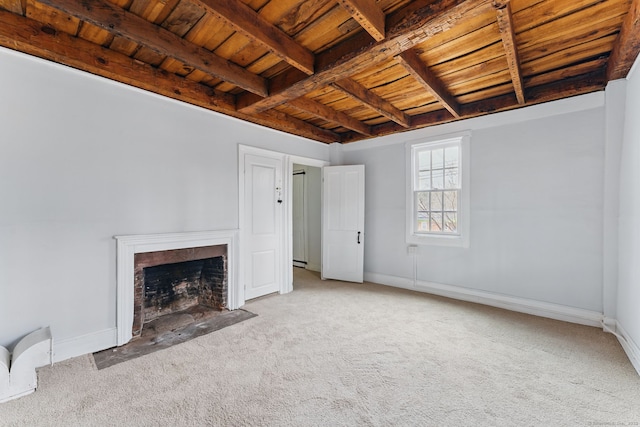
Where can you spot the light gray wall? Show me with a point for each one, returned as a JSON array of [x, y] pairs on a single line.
[[536, 207], [614, 129], [314, 221], [313, 210], [628, 312], [83, 159]]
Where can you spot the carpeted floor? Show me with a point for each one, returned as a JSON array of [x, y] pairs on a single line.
[[341, 354]]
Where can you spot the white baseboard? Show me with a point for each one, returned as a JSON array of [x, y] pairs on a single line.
[[629, 346], [84, 344], [522, 305]]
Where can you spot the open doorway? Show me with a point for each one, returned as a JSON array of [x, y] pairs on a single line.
[[265, 183], [306, 217]]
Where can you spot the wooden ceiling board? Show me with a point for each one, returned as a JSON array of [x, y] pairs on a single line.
[[326, 31], [537, 51], [551, 10], [583, 22], [440, 49], [209, 32], [306, 13], [154, 11], [461, 82], [149, 56], [177, 67], [200, 77], [486, 93], [182, 18], [566, 72], [52, 17], [95, 34], [426, 108], [381, 74], [14, 6], [570, 56], [123, 46]]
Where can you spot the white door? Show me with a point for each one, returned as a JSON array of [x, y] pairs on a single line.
[[298, 220], [262, 225], [343, 223]]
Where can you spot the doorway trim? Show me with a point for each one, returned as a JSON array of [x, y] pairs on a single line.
[[290, 160], [286, 239]]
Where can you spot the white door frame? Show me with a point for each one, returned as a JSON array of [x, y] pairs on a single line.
[[286, 240], [288, 197]]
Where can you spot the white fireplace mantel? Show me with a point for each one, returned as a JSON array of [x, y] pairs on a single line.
[[128, 246]]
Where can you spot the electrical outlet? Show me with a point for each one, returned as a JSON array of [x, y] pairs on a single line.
[[412, 249]]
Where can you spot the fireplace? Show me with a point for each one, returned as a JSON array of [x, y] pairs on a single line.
[[172, 281], [162, 274]]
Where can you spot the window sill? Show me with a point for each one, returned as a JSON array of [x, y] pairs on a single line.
[[459, 241]]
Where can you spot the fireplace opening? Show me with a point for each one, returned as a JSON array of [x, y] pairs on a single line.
[[175, 287], [169, 288]]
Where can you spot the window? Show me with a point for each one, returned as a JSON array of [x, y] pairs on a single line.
[[438, 191]]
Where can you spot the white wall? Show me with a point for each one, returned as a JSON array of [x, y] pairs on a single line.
[[313, 211], [628, 312], [313, 182], [83, 159], [536, 203], [615, 96]]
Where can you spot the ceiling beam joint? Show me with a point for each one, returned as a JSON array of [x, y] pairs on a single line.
[[419, 71], [252, 25], [360, 93], [368, 14], [327, 113]]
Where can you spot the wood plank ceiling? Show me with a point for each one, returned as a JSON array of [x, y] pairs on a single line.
[[338, 71]]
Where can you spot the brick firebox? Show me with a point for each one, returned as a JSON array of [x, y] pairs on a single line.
[[207, 278]]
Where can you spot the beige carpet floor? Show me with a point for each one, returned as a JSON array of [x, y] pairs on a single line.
[[341, 354]]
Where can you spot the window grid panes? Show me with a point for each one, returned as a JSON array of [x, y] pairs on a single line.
[[437, 189]]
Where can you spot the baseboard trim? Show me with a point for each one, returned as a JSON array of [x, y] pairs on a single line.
[[629, 346], [84, 344], [521, 305]]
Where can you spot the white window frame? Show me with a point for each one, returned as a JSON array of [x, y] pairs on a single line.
[[461, 238]]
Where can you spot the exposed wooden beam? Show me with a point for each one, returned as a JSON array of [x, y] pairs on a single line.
[[414, 65], [409, 28], [253, 26], [125, 24], [505, 23], [360, 93], [289, 124], [368, 14], [627, 46], [578, 85], [35, 38], [327, 113]]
